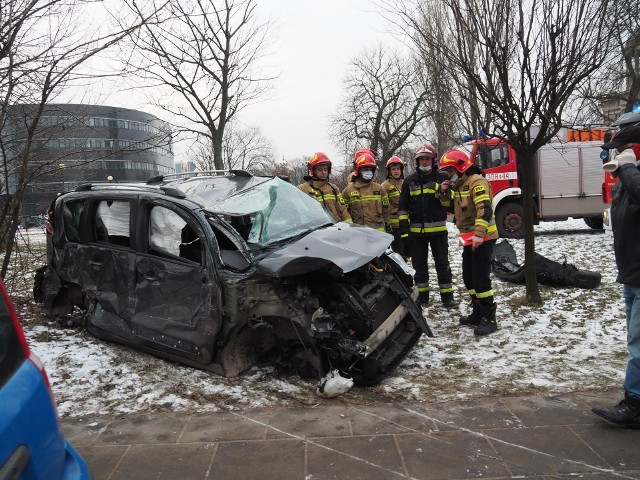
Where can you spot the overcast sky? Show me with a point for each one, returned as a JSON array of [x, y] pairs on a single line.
[[316, 41], [313, 44]]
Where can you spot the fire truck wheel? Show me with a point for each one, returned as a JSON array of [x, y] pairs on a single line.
[[594, 222], [510, 220]]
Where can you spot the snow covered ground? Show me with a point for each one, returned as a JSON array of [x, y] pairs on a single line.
[[576, 341]]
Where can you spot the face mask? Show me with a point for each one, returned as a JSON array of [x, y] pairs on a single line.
[[426, 169], [367, 175]]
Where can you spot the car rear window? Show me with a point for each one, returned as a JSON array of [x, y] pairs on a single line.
[[11, 352]]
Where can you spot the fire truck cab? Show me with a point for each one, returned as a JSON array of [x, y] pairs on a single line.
[[568, 180]]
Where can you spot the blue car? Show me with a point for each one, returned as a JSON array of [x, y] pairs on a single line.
[[32, 445]]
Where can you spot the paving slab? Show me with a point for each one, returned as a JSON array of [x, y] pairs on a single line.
[[309, 422], [145, 429], [354, 458], [450, 455], [276, 459], [545, 450], [202, 427], [164, 462]]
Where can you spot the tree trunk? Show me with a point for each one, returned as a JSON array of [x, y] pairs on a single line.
[[527, 167], [218, 161]]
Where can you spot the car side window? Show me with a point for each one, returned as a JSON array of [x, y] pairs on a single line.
[[494, 156], [71, 213], [170, 234], [112, 222]]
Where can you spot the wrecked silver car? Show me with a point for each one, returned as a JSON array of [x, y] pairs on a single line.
[[220, 271]]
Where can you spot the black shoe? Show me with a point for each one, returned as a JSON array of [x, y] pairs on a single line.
[[473, 319], [485, 327], [488, 323], [423, 299], [625, 413], [448, 300]]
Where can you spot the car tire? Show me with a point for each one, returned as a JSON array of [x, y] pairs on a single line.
[[510, 220], [594, 222]]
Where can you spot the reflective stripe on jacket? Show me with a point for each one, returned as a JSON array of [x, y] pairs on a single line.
[[393, 186], [421, 208], [367, 203], [329, 196], [472, 206]]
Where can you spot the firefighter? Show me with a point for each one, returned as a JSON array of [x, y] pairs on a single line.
[[472, 206], [367, 201], [393, 186], [422, 214], [351, 176], [318, 186]]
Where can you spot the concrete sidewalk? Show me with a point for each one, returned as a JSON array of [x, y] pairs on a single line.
[[498, 438]]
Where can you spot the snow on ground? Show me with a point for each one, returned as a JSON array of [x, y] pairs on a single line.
[[576, 341]]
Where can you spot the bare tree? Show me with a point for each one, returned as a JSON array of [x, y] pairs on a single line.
[[205, 52], [453, 102], [524, 61], [44, 45], [384, 105], [243, 148], [616, 84]]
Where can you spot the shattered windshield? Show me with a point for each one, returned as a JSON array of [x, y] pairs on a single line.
[[271, 212]]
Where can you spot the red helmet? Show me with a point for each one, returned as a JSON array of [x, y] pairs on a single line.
[[318, 159], [426, 150], [395, 161], [363, 150], [364, 160], [456, 159]]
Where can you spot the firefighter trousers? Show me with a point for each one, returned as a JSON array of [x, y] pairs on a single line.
[[419, 248], [476, 271], [397, 245]]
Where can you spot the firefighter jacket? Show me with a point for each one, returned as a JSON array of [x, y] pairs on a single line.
[[422, 210], [625, 222], [393, 186], [472, 206], [329, 196], [367, 203]]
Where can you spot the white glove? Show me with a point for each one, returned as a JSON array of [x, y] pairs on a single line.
[[627, 156]]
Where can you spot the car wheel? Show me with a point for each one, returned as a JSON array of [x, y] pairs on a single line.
[[510, 220], [594, 222]]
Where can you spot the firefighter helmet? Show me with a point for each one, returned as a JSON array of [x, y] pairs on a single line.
[[426, 150], [395, 161], [456, 159], [364, 160], [318, 159], [361, 151]]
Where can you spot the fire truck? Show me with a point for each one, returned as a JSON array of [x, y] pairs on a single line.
[[568, 179]]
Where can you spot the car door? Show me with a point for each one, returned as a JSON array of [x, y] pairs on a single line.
[[175, 290], [95, 252]]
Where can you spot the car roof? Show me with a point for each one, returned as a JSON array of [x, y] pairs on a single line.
[[198, 187]]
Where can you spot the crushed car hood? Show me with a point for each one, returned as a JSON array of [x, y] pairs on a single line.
[[338, 249]]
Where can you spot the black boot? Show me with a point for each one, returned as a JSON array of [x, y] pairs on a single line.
[[448, 300], [474, 317], [423, 299], [488, 322], [625, 413]]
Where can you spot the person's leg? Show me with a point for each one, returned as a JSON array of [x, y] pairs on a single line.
[[627, 412], [481, 259], [419, 257], [632, 307], [440, 252]]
